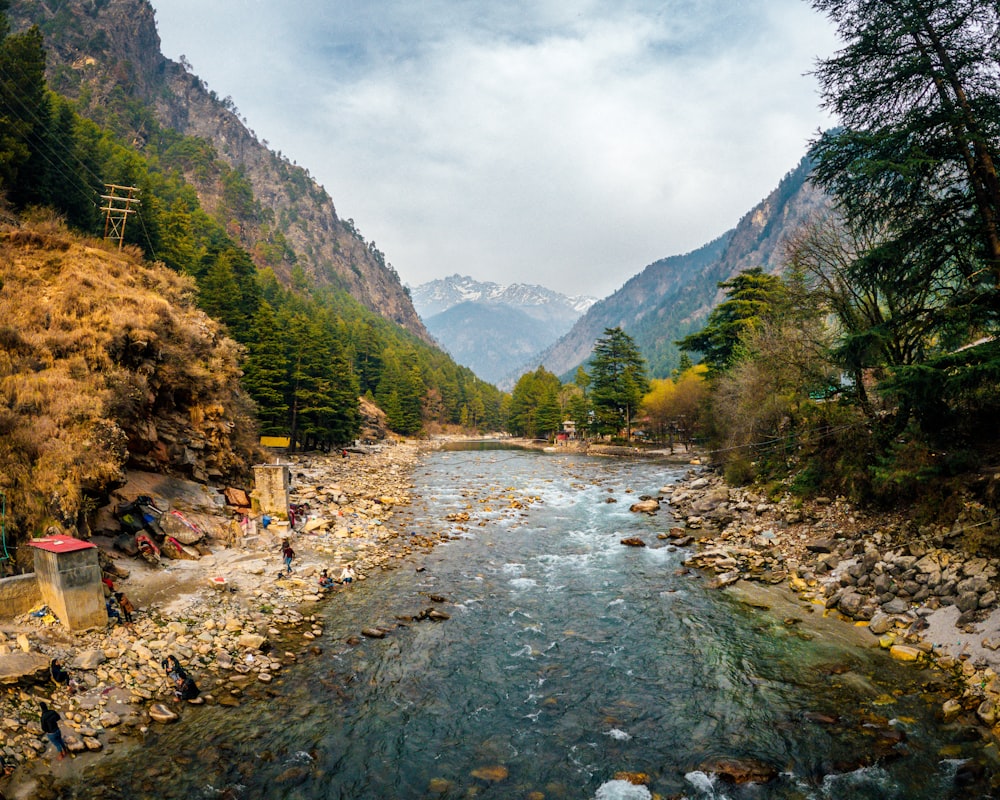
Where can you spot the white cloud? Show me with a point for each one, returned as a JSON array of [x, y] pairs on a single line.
[[534, 142]]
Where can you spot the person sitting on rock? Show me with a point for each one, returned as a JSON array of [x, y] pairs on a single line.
[[347, 574], [325, 581], [173, 668], [60, 676], [185, 688]]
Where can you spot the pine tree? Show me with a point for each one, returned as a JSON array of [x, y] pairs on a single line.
[[24, 114], [265, 373], [749, 296], [619, 381]]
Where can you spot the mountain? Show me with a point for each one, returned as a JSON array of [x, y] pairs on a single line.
[[436, 296], [673, 296], [106, 57], [494, 329]]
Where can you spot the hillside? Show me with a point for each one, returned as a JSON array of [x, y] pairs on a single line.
[[673, 296], [105, 363], [106, 56]]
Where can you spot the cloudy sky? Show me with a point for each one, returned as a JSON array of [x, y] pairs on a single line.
[[563, 142]]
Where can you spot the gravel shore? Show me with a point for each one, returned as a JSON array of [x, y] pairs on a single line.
[[922, 592], [229, 634]]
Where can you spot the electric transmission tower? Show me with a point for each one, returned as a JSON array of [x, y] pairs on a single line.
[[120, 200]]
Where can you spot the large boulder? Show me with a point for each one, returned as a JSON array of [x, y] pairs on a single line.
[[27, 667], [180, 528]]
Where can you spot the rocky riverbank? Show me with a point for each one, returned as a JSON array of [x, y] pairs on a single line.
[[923, 592], [232, 635]]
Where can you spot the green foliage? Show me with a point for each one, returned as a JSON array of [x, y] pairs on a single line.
[[534, 405], [914, 172], [749, 296], [619, 381]]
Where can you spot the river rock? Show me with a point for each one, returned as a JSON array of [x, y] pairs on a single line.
[[967, 602], [896, 606], [951, 709], [110, 720], [740, 770], [89, 659], [439, 786], [650, 506], [493, 774], [160, 713], [850, 603], [880, 623], [373, 633], [633, 541], [904, 652], [251, 641]]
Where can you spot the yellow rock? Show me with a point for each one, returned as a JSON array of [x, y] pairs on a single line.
[[902, 652], [438, 786], [887, 641], [493, 773], [635, 778]]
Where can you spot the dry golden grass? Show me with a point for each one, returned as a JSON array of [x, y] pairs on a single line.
[[97, 348]]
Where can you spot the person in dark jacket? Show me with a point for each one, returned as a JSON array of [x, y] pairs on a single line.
[[173, 668], [60, 676], [287, 554], [185, 688], [50, 727]]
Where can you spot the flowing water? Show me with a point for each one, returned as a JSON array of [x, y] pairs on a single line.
[[567, 658]]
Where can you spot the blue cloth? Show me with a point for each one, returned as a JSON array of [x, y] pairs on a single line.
[[265, 521]]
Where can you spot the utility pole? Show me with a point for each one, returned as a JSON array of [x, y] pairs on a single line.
[[120, 200]]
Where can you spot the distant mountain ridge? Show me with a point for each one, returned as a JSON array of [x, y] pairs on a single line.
[[491, 328], [439, 295], [673, 296]]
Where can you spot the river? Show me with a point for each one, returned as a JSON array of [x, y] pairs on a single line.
[[568, 659]]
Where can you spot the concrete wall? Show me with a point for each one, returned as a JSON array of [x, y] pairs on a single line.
[[19, 595], [70, 584], [270, 491]]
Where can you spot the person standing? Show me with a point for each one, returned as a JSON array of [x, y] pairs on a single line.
[[287, 554], [50, 727], [126, 606]]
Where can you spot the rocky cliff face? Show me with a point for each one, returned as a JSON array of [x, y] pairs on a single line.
[[673, 296], [100, 50]]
